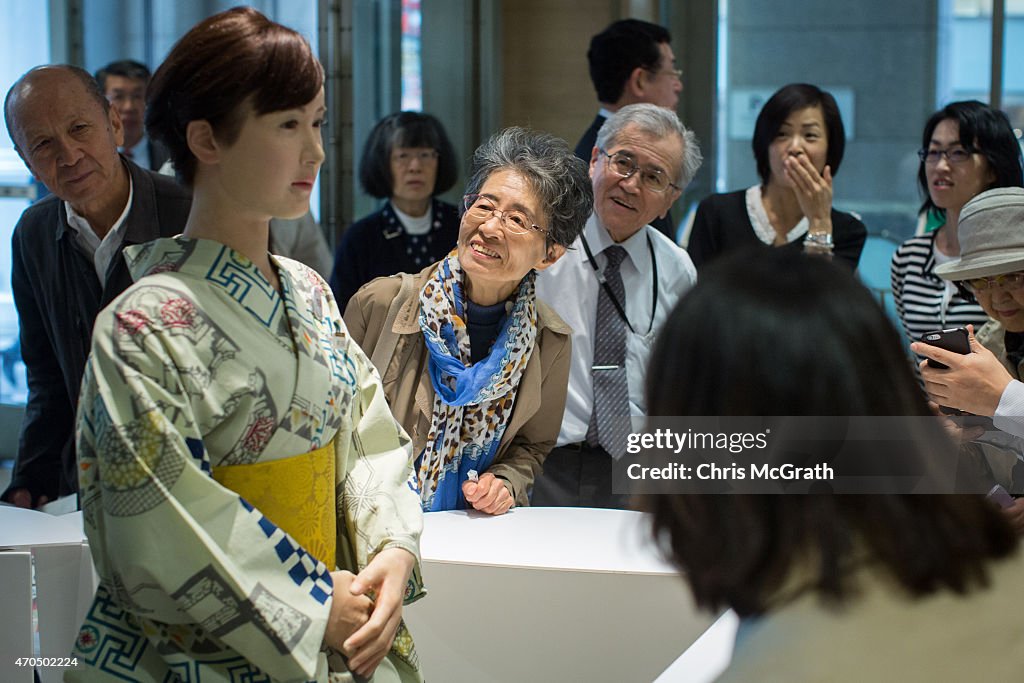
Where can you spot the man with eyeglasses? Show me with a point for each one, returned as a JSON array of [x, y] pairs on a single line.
[[631, 62], [987, 381], [124, 85], [614, 288]]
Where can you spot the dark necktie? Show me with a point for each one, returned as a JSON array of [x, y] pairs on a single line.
[[609, 421]]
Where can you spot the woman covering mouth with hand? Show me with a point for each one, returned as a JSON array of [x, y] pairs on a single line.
[[798, 144], [474, 366]]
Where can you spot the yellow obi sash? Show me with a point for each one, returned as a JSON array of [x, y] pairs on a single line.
[[296, 494]]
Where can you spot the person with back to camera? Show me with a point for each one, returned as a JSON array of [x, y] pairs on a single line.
[[967, 148], [798, 144], [987, 380], [237, 459], [408, 161], [474, 365], [854, 587]]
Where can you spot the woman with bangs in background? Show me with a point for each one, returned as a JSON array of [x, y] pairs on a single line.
[[407, 161], [798, 144]]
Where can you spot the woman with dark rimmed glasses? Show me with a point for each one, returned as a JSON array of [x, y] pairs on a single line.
[[474, 366], [966, 148]]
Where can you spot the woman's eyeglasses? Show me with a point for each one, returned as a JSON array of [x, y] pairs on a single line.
[[480, 208], [958, 155], [406, 158], [1009, 282]]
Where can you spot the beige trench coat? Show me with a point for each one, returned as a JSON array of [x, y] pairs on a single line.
[[540, 399]]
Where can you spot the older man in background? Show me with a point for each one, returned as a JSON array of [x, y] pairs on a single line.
[[626, 277], [66, 255]]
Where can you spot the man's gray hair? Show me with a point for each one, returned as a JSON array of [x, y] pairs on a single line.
[[660, 123], [561, 181]]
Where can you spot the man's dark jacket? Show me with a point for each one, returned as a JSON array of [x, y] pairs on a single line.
[[58, 295]]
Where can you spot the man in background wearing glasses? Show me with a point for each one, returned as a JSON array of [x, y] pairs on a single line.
[[631, 62], [615, 287], [124, 85]]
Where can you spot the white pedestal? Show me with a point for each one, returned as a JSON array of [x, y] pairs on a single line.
[[707, 658], [16, 608], [65, 583], [548, 594]]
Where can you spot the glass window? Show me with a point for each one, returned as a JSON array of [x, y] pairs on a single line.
[[889, 66], [412, 65], [24, 43], [146, 31]]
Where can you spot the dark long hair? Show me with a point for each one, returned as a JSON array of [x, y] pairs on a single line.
[[813, 342], [984, 130]]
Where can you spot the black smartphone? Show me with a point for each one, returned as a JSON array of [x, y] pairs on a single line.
[[954, 340]]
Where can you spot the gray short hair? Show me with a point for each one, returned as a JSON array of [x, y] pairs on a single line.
[[561, 181], [660, 123]]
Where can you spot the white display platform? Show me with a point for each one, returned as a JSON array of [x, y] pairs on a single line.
[[65, 584], [548, 594], [707, 658]]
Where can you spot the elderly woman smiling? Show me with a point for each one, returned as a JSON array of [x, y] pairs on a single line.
[[467, 353]]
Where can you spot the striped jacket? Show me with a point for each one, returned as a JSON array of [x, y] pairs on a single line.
[[922, 300]]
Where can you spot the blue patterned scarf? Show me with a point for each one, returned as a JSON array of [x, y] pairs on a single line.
[[472, 403]]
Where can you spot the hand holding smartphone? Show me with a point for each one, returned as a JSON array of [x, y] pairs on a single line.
[[954, 340], [1000, 496]]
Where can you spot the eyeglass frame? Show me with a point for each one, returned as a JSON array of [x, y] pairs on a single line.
[[501, 213], [923, 155], [993, 281], [422, 157], [636, 167], [677, 73]]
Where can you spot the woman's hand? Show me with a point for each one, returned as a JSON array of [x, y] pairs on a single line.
[[386, 577], [955, 429], [489, 494], [813, 191], [973, 382], [1015, 515], [348, 612]]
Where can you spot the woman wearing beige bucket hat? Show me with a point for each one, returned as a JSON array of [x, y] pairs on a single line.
[[987, 381]]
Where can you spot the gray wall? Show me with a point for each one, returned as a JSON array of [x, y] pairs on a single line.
[[883, 50]]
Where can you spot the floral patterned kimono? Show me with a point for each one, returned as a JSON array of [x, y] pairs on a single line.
[[204, 382]]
